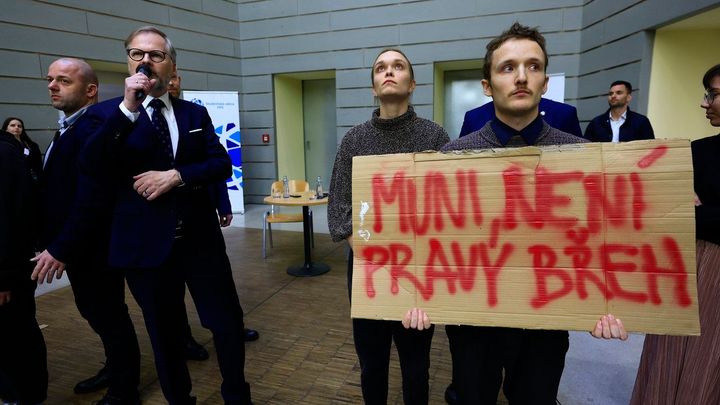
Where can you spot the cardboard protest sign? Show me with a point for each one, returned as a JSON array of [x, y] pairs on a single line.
[[550, 238]]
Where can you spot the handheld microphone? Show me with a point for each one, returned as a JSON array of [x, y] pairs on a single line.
[[144, 69]]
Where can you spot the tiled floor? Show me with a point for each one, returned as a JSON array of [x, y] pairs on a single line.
[[305, 354]]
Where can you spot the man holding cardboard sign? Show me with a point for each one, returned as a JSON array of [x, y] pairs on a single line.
[[533, 360]]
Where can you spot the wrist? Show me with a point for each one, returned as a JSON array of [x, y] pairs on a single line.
[[178, 179]]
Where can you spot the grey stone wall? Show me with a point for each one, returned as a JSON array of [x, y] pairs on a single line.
[[239, 45]]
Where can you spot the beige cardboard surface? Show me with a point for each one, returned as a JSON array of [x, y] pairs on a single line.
[[549, 238]]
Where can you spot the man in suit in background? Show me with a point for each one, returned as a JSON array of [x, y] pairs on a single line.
[[618, 123], [558, 115], [152, 160], [224, 209], [99, 291], [23, 357]]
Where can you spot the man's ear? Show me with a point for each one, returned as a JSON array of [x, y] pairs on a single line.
[[487, 88], [547, 80], [91, 90], [629, 98]]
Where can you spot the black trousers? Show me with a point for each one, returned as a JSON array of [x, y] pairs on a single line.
[[100, 298], [159, 292], [373, 340], [23, 356], [533, 361]]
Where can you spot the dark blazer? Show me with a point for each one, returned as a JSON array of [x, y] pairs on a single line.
[[33, 159], [16, 215], [635, 127], [143, 231], [221, 198], [558, 115], [64, 234], [706, 166]]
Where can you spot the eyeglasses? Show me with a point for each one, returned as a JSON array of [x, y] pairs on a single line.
[[709, 97], [138, 55]]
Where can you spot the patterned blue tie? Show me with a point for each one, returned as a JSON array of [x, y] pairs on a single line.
[[161, 126]]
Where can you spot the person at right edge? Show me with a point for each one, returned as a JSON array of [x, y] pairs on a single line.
[[393, 128], [686, 369], [532, 360], [150, 164]]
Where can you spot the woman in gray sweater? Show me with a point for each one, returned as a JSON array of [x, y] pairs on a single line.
[[393, 128]]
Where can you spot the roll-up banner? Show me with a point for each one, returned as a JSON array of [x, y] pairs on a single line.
[[223, 107]]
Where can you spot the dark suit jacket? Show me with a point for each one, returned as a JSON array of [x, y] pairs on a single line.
[[143, 231], [221, 198], [706, 166], [16, 215], [64, 235], [635, 127], [558, 115]]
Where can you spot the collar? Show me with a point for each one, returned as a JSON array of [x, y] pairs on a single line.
[[622, 117], [165, 99], [66, 122], [530, 133]]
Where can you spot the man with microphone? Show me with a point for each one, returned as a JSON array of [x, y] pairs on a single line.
[[152, 161]]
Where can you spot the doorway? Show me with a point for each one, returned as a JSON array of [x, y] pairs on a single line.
[[319, 127]]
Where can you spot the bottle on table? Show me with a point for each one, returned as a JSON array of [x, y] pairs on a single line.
[[318, 188], [286, 187]]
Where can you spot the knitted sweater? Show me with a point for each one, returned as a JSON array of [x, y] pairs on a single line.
[[404, 134], [485, 138]]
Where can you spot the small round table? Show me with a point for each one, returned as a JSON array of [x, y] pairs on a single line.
[[305, 200]]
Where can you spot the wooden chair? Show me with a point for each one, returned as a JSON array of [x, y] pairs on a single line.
[[271, 217]]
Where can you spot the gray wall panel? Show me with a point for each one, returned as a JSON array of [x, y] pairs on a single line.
[[572, 18], [257, 84], [257, 153], [190, 5], [255, 48], [257, 119], [401, 13], [284, 26], [220, 8], [209, 63], [23, 64], [253, 136], [204, 23], [51, 42], [260, 170], [514, 6], [353, 116], [23, 91], [268, 9], [257, 102], [43, 16], [352, 78], [151, 12], [354, 97], [318, 6], [330, 41], [193, 80], [224, 82]]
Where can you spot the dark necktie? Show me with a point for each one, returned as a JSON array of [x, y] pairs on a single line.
[[161, 126]]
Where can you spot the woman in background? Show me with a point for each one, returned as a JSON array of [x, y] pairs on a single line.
[[33, 159], [393, 128], [686, 369]]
